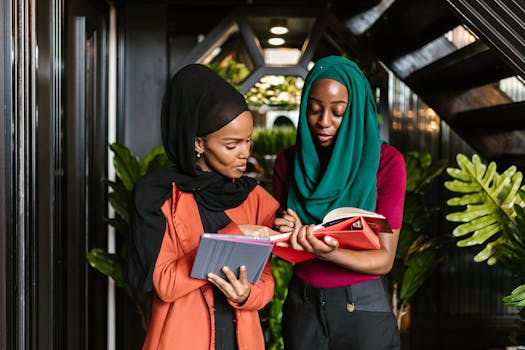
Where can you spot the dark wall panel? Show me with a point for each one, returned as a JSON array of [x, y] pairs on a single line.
[[146, 74], [144, 59], [81, 208]]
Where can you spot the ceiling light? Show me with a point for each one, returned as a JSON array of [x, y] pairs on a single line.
[[278, 26], [276, 41], [282, 55]]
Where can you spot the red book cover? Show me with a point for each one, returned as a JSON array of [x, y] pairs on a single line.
[[357, 232]]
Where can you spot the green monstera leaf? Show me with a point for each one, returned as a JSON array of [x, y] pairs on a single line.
[[492, 207], [494, 217]]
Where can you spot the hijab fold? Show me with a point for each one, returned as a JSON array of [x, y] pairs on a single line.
[[197, 102], [350, 175]]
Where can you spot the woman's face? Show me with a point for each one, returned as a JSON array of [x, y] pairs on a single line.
[[226, 150], [327, 102]]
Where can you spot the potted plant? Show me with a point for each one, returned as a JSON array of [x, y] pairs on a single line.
[[492, 215], [418, 253], [268, 142], [128, 170]]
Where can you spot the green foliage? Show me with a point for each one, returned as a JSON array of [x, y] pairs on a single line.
[[271, 90], [128, 170], [266, 144], [494, 211], [271, 315], [421, 174], [271, 141], [494, 216], [418, 254], [517, 297], [231, 71], [276, 90], [420, 262]]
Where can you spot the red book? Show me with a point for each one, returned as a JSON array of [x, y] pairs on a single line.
[[354, 229]]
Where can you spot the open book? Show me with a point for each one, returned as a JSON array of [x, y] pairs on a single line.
[[354, 228]]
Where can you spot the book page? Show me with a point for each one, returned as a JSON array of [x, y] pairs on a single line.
[[349, 212]]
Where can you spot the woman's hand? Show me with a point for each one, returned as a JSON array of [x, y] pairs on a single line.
[[257, 230], [304, 239], [235, 289], [288, 222]]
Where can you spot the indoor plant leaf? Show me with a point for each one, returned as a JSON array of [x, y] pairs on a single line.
[[490, 199], [108, 264], [155, 159], [516, 297], [419, 269], [418, 254], [121, 227], [127, 166], [128, 170], [121, 207]]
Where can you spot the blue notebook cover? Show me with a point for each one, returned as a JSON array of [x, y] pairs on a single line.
[[218, 250]]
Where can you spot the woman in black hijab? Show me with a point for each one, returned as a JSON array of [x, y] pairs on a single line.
[[206, 132]]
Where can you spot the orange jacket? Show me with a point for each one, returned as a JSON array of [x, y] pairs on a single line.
[[183, 315]]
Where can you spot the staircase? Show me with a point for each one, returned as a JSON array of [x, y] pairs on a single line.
[[460, 84]]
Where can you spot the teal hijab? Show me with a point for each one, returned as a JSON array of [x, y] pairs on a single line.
[[350, 176]]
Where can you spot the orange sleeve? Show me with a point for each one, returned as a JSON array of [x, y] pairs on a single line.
[[266, 207], [171, 277]]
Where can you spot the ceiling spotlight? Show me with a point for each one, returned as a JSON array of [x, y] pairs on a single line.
[[276, 41], [278, 26]]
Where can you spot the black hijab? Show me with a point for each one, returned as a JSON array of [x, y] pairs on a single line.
[[197, 102]]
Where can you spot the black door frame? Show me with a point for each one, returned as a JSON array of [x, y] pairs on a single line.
[[85, 153], [42, 251], [7, 319]]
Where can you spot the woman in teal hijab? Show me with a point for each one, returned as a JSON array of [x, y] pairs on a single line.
[[338, 300], [348, 179]]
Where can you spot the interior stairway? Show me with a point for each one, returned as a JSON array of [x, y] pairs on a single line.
[[460, 84]]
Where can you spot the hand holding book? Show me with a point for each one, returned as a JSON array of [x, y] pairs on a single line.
[[353, 228], [287, 221], [304, 241]]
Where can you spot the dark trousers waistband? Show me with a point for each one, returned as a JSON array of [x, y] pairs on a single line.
[[366, 296]]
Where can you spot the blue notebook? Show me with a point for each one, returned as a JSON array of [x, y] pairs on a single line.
[[218, 250]]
